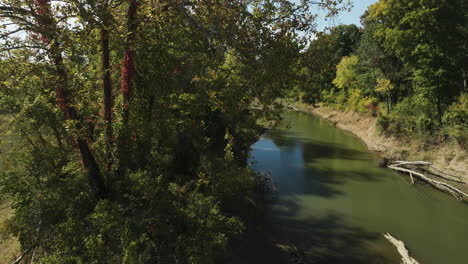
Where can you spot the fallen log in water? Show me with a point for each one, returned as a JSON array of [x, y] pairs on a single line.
[[436, 184], [449, 176], [425, 163], [405, 257]]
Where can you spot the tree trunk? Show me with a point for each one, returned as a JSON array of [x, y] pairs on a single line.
[[128, 68], [439, 104], [464, 73], [126, 84], [107, 89], [388, 105], [464, 81], [396, 88], [46, 25]]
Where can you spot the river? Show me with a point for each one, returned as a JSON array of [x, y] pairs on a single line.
[[334, 202]]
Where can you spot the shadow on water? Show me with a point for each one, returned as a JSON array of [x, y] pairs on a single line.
[[322, 239], [287, 139], [324, 181], [316, 150], [328, 240]]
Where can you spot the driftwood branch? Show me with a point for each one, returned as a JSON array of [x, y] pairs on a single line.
[[21, 257], [425, 163], [436, 184], [18, 260], [401, 162], [449, 175], [293, 107], [400, 246]]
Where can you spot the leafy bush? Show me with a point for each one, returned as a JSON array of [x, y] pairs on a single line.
[[368, 105], [457, 113], [384, 122], [295, 93], [425, 124], [328, 97], [354, 98], [455, 120], [409, 119]]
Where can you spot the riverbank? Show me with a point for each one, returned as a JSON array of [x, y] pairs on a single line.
[[449, 156]]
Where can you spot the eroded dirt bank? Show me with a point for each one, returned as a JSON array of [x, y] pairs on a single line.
[[449, 156]]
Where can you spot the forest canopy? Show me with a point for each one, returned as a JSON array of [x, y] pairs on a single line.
[[129, 122]]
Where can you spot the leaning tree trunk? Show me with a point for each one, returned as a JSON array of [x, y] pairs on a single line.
[[48, 33]]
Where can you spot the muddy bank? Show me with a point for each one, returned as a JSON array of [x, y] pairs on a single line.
[[450, 156]]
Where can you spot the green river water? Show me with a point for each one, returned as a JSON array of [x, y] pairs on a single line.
[[335, 202]]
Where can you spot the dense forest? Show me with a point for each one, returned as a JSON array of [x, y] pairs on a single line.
[[126, 125], [408, 65]]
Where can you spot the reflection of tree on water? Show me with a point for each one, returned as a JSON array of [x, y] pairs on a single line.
[[282, 136]]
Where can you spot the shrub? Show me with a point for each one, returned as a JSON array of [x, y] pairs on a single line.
[[354, 97], [328, 96], [455, 120], [425, 124], [340, 101], [457, 113], [367, 105], [383, 122]]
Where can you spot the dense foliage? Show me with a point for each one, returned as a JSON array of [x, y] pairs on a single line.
[[130, 122], [408, 64]]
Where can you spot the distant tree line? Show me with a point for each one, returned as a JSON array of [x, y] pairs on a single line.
[[408, 64]]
